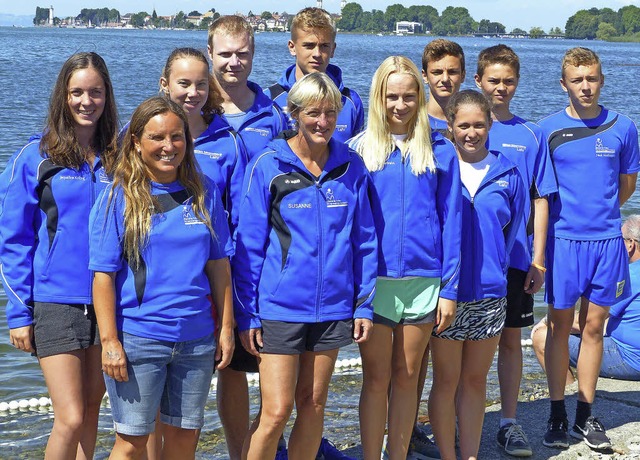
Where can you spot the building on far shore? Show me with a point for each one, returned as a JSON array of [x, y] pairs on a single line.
[[408, 28]]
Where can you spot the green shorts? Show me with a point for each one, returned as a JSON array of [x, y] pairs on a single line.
[[405, 300]]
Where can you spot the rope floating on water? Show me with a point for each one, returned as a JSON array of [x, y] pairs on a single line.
[[253, 378]]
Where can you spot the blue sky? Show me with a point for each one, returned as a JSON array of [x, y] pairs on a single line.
[[512, 13]]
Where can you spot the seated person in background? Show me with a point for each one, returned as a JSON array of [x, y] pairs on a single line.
[[621, 355]]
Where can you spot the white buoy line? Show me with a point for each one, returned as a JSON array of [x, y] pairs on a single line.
[[253, 378]]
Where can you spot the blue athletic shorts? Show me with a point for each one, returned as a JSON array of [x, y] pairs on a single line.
[[597, 270], [172, 376]]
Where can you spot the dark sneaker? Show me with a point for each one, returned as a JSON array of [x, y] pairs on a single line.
[[556, 435], [329, 451], [422, 447], [592, 434], [513, 440]]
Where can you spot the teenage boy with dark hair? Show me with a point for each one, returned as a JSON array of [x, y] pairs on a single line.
[[523, 142], [443, 70]]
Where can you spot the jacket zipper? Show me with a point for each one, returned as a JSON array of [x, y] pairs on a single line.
[[320, 249], [402, 217]]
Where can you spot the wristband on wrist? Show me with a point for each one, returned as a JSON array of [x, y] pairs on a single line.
[[539, 267]]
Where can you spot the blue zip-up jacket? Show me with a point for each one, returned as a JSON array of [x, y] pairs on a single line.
[[262, 122], [44, 231], [306, 248], [489, 226], [350, 119], [418, 218], [222, 157]]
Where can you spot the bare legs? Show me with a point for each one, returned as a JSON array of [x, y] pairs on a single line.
[[509, 370], [179, 444], [449, 357], [539, 336], [283, 380], [232, 395], [391, 360], [76, 387]]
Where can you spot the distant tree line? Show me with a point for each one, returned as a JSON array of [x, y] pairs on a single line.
[[102, 16], [98, 16], [604, 23], [452, 21]]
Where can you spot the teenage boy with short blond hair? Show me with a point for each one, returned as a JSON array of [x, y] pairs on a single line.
[[312, 43], [595, 156]]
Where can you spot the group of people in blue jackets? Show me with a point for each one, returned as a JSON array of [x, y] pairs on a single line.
[[234, 229]]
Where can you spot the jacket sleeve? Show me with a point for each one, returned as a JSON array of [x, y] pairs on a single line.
[[251, 242], [365, 251], [282, 122], [544, 178], [449, 209], [358, 125], [106, 232], [19, 220], [630, 154], [516, 204], [234, 183]]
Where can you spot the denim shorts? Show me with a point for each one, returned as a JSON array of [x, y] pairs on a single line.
[[613, 365], [172, 376]]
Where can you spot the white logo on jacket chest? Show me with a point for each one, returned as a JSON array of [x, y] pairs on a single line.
[[516, 147], [333, 202], [212, 155], [262, 132], [501, 183], [68, 177]]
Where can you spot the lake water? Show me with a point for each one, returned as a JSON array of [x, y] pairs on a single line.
[[29, 63]]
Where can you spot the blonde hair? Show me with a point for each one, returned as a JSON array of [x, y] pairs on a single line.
[[132, 177], [312, 18], [311, 89], [580, 56], [375, 145], [233, 26]]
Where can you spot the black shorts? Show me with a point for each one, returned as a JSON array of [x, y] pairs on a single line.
[[519, 303], [281, 338], [242, 360], [61, 328]]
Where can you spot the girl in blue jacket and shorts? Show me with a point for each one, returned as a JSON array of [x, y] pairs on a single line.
[[416, 200], [492, 205], [46, 192]]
